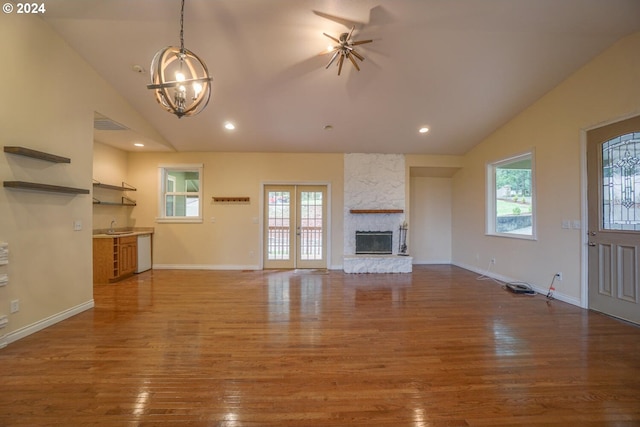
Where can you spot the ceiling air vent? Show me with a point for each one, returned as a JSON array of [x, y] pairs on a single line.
[[105, 123]]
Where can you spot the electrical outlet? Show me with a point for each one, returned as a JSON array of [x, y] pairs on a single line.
[[559, 276], [493, 260], [15, 306]]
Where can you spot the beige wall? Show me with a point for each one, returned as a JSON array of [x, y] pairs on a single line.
[[233, 240], [430, 229], [605, 89], [429, 206], [50, 97]]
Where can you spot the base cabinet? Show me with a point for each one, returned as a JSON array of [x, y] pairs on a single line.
[[114, 258]]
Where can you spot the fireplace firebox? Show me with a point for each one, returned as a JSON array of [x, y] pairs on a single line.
[[374, 242]]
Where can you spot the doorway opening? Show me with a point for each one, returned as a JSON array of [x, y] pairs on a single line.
[[295, 226]]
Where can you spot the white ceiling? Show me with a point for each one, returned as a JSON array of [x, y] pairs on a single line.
[[461, 67]]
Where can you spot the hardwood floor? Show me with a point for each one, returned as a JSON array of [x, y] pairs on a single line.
[[273, 348]]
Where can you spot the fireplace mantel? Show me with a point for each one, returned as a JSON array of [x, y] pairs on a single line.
[[376, 211]]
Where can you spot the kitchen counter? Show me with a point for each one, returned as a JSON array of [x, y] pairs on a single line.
[[121, 253], [122, 232]]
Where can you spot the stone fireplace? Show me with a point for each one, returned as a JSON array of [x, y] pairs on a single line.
[[374, 195]]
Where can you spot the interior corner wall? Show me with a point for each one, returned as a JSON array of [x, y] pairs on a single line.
[[50, 99], [606, 89]]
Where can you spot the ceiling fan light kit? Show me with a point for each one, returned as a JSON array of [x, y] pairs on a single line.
[[180, 79], [344, 49]]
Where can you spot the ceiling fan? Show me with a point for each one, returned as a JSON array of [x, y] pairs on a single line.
[[344, 49]]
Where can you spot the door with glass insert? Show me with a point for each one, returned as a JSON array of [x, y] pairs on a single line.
[[295, 226], [613, 179]]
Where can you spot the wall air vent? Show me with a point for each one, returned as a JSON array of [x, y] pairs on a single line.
[[105, 123]]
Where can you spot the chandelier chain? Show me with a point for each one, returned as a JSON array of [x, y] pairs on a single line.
[[182, 28]]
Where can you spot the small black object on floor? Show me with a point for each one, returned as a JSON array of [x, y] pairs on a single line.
[[519, 288]]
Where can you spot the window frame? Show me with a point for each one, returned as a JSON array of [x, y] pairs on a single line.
[[163, 171], [491, 196]]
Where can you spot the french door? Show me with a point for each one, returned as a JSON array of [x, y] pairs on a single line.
[[613, 181], [295, 226]]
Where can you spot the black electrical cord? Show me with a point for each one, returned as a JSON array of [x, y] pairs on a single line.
[[551, 288]]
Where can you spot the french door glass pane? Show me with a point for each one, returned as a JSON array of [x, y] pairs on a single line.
[[279, 225], [311, 225], [621, 183]]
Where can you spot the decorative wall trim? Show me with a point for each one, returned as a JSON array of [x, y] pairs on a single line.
[[46, 322]]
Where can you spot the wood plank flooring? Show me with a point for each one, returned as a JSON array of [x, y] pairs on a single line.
[[272, 348]]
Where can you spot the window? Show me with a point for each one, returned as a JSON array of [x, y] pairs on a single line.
[[511, 197], [621, 183], [180, 193]]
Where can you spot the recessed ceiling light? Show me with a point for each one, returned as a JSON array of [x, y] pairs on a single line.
[[229, 126], [328, 127], [423, 129], [139, 144]]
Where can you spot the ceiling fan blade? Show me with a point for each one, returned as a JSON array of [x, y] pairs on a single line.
[[357, 55], [333, 58], [353, 61], [328, 50], [332, 38], [340, 61], [351, 33], [360, 42]]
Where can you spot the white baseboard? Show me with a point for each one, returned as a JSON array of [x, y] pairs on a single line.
[[430, 261], [204, 267], [45, 323], [539, 289]]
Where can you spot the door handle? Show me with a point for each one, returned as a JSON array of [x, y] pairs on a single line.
[[592, 244]]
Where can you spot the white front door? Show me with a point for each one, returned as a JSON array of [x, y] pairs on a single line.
[[613, 181], [295, 231]]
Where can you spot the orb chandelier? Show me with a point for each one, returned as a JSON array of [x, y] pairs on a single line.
[[179, 79]]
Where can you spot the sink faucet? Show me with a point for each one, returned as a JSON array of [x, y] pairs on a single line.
[[111, 226]]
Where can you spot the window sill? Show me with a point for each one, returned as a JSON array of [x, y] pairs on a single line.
[[513, 236], [182, 220]]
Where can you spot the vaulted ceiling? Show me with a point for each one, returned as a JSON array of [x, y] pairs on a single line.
[[461, 67]]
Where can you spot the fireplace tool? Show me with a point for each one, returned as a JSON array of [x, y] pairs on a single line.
[[402, 241]]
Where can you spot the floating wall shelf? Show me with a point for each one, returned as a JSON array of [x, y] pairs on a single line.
[[123, 187], [22, 185], [125, 201], [35, 186], [27, 152], [376, 211]]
